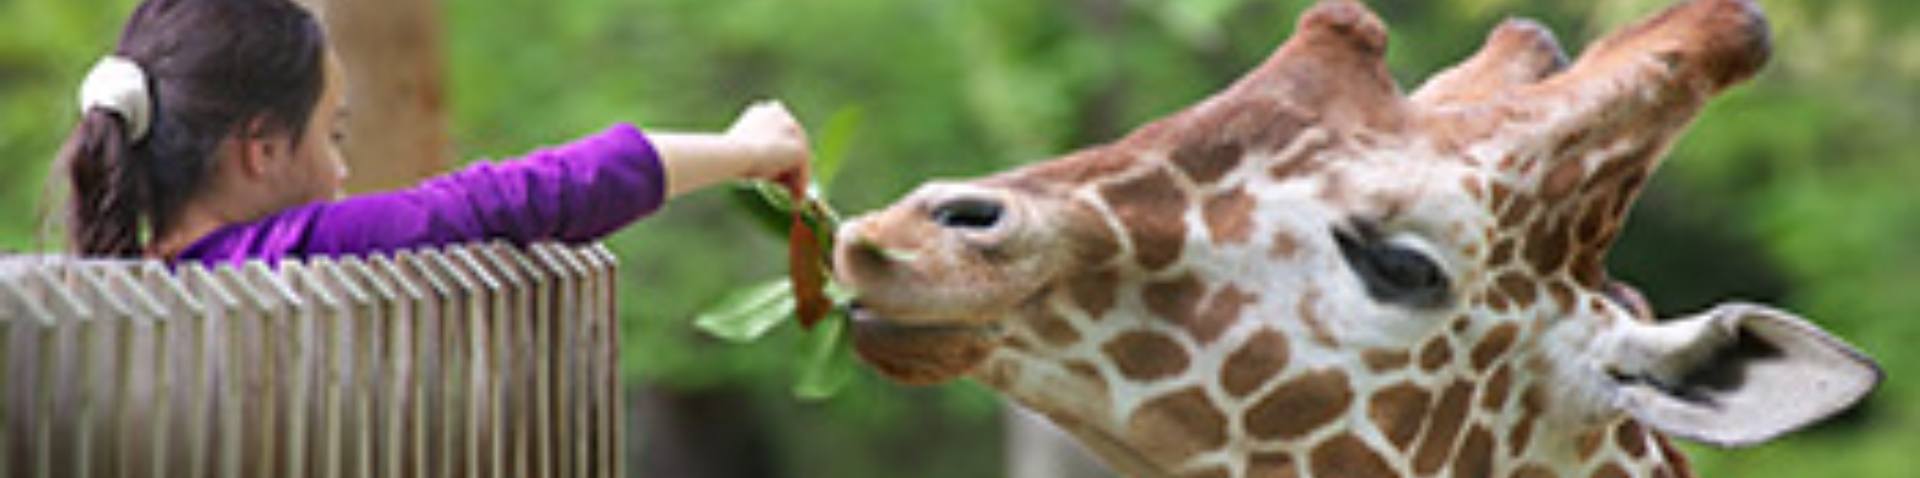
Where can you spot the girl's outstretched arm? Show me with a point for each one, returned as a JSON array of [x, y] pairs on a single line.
[[577, 192]]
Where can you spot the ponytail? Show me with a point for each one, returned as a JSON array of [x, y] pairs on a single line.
[[104, 213]]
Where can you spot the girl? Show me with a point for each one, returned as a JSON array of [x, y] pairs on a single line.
[[211, 134]]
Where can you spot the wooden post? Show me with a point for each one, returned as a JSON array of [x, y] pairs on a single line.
[[396, 89]]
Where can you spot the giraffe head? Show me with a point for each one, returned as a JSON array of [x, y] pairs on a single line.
[[1310, 272]]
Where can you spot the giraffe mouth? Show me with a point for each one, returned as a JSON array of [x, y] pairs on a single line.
[[918, 354]]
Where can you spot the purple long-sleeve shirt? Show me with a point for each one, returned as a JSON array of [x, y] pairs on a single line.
[[576, 192]]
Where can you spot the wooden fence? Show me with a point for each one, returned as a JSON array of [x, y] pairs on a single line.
[[485, 360]]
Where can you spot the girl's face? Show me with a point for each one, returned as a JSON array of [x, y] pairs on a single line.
[[294, 174], [318, 169]]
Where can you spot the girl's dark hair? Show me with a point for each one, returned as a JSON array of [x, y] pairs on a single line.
[[212, 67]]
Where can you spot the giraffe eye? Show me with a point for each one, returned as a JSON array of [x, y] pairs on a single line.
[[1392, 273], [968, 213]]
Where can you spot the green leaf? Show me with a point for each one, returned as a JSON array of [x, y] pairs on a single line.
[[749, 313], [891, 254], [829, 361], [775, 195], [834, 139], [771, 220]]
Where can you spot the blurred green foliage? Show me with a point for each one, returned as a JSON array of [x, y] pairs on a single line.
[[1797, 189]]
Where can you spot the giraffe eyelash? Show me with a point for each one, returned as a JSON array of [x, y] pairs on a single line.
[[1392, 273]]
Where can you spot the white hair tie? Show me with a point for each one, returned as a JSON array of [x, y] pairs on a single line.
[[118, 85]]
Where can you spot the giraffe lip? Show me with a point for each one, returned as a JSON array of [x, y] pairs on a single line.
[[917, 354]]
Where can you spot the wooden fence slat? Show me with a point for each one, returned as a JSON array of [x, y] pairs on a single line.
[[106, 339], [488, 305], [457, 355], [539, 340], [430, 439], [218, 415], [180, 445], [512, 335], [325, 381], [402, 427], [142, 409], [28, 327], [562, 320], [282, 418], [613, 426]]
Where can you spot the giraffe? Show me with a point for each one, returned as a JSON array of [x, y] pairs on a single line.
[[1310, 273]]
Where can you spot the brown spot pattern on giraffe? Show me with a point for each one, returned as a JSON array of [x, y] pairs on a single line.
[[1534, 470], [1474, 188], [1260, 358], [1215, 471], [1495, 300], [1285, 245], [1516, 212], [1300, 405], [1533, 402], [1053, 329], [1229, 216], [1498, 194], [1304, 162], [1493, 345], [1094, 292], [1175, 426], [1087, 371], [1588, 442], [1175, 300], [1561, 180], [1676, 461], [1221, 310], [1502, 253], [1590, 272], [1271, 464], [1435, 354], [1207, 158], [1631, 438], [1308, 311], [1517, 288], [1345, 456], [1151, 209], [1521, 436], [1493, 396], [1475, 457], [1145, 355], [1562, 295], [1385, 360], [1095, 241], [1443, 428], [1593, 219], [1610, 470], [1547, 245], [1398, 411]]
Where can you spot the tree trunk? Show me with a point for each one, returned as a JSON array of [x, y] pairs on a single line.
[[396, 88]]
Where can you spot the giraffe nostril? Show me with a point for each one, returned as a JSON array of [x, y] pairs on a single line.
[[968, 213]]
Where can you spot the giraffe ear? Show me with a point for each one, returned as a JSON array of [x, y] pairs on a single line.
[[1736, 375]]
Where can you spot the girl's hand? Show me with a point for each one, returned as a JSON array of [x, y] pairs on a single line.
[[775, 141]]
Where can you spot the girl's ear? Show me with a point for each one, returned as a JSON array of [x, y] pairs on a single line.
[[259, 150]]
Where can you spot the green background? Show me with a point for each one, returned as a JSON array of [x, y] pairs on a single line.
[[1798, 189]]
